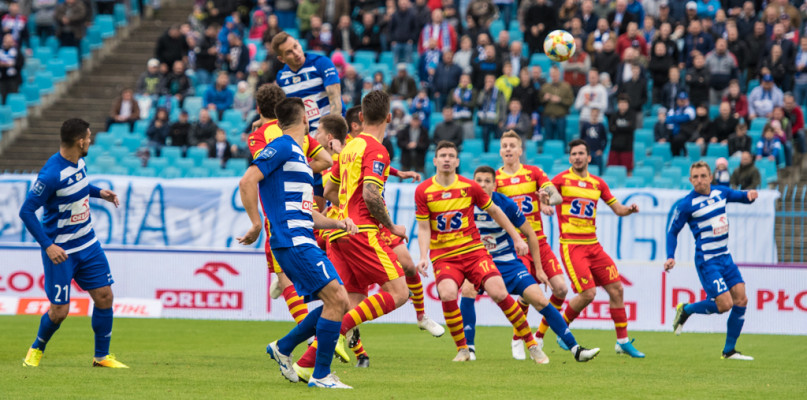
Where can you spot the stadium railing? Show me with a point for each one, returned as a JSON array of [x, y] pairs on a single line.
[[791, 219]]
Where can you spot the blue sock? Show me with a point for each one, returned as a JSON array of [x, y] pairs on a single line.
[[558, 325], [102, 326], [468, 313], [46, 329], [733, 327], [300, 333], [327, 336], [702, 307]]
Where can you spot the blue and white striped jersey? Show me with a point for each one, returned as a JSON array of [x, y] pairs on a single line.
[[287, 193], [496, 240], [63, 189], [308, 83], [706, 216]]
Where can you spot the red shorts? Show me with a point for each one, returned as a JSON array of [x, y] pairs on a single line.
[[549, 262], [387, 237], [588, 266], [271, 262], [476, 266], [363, 260], [624, 158]]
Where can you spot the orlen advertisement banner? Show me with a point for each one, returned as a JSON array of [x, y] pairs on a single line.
[[234, 285], [207, 214]]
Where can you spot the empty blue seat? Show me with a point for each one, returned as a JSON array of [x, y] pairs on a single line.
[[43, 53], [85, 48], [94, 37], [131, 163], [647, 173], [32, 95], [119, 14], [19, 107], [69, 57], [364, 57], [554, 148], [192, 105], [57, 69], [717, 150], [197, 155], [6, 118], [473, 146], [171, 153], [146, 171], [140, 127], [170, 173], [662, 150], [184, 164], [197, 172], [635, 182], [615, 175], [106, 23], [104, 140], [673, 174], [119, 128], [102, 163], [644, 136], [387, 58], [158, 163], [132, 143], [117, 170], [758, 124], [693, 151], [655, 162]]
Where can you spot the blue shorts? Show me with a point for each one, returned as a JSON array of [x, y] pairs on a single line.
[[308, 268], [516, 276], [718, 275], [89, 267]]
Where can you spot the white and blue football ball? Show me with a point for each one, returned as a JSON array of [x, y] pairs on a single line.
[[559, 45]]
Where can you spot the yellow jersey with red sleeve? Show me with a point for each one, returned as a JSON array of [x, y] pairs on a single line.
[[363, 160], [269, 131], [522, 187], [326, 174], [577, 214], [450, 211]]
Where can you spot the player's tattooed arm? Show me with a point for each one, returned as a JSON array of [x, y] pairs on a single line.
[[554, 196], [378, 209], [335, 98]]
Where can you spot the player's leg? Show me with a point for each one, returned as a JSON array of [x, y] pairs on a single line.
[[734, 325], [335, 305], [356, 292], [415, 286], [535, 296], [57, 288], [718, 300], [468, 312], [494, 286], [554, 272], [516, 277], [575, 261], [447, 288], [93, 275]]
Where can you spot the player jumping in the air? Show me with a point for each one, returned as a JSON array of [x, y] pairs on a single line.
[[70, 249], [284, 181], [585, 260], [704, 209], [523, 183], [516, 277], [446, 232]]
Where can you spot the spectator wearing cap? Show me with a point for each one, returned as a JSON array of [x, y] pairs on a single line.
[[680, 121], [721, 175], [691, 12], [403, 86], [722, 68], [148, 84], [764, 98]]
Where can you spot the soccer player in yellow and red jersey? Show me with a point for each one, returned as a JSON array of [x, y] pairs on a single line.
[[266, 98], [523, 184], [447, 232], [363, 259], [585, 260]]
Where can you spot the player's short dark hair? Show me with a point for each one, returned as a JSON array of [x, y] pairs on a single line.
[[445, 144], [352, 116], [289, 112], [375, 107], [73, 129], [623, 97], [485, 169], [700, 164], [578, 142], [267, 97], [335, 125], [278, 40]]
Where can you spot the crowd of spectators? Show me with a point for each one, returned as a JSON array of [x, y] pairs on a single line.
[[464, 69]]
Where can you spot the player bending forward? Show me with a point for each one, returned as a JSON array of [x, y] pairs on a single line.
[[284, 180], [516, 277], [446, 232], [586, 262], [70, 249], [704, 209]]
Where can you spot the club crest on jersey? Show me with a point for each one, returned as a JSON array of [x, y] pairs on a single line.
[[446, 195], [581, 184], [514, 180], [463, 192], [296, 79], [378, 167], [38, 188]]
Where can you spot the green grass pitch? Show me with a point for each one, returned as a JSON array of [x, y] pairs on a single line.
[[227, 360]]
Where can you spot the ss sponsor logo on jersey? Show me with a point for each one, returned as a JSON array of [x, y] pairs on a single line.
[[449, 221], [524, 204], [582, 208]]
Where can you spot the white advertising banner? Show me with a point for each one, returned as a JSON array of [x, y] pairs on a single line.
[[234, 285], [208, 214]]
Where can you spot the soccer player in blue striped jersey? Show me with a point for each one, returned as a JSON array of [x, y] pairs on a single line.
[[70, 249], [704, 209], [311, 77], [284, 180], [517, 278]]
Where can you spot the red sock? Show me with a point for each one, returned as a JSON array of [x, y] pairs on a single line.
[[296, 304], [570, 314], [416, 287], [309, 357], [524, 309], [368, 310], [556, 302], [451, 312], [620, 322], [513, 313]]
